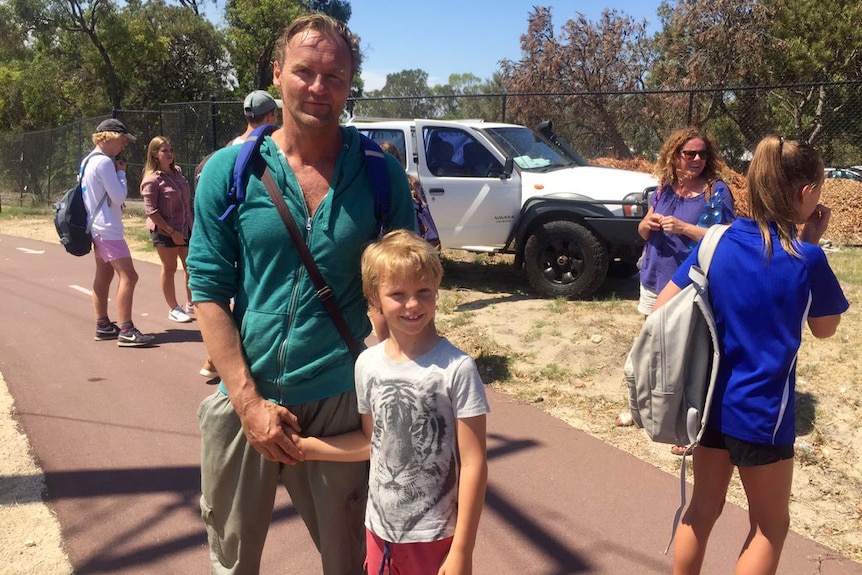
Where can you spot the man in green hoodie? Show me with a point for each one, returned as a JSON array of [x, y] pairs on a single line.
[[282, 362]]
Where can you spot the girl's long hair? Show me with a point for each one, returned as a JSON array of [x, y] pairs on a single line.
[[778, 171], [152, 164]]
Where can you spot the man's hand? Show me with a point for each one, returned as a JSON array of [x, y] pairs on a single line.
[[266, 426], [120, 165]]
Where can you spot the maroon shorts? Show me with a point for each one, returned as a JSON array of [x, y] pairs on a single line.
[[404, 558]]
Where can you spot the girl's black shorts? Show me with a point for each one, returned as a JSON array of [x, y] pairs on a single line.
[[161, 240], [743, 453]]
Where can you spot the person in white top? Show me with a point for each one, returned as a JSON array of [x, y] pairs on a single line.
[[105, 177]]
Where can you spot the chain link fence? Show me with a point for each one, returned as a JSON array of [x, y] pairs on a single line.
[[36, 167]]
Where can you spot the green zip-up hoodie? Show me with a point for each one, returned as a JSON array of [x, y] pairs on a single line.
[[292, 347]]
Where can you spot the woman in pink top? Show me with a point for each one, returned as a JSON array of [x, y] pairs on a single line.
[[167, 200]]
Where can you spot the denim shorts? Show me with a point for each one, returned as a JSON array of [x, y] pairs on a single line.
[[743, 453]]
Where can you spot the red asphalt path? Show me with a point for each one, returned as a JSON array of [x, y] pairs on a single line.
[[115, 432]]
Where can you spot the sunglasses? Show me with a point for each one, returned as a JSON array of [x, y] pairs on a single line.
[[692, 154]]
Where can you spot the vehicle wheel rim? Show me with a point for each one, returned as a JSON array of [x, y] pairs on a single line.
[[562, 262]]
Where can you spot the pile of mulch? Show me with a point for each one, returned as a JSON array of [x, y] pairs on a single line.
[[844, 197]]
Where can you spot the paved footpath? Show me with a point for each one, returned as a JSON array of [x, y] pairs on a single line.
[[116, 434]]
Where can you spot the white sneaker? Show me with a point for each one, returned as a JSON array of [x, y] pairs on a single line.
[[189, 309], [178, 315]]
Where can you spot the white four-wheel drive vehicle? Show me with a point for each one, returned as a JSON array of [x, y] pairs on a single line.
[[505, 188]]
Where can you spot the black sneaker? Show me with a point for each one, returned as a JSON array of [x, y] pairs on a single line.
[[110, 331], [134, 338]]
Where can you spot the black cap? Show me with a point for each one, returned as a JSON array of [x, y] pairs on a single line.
[[114, 125]]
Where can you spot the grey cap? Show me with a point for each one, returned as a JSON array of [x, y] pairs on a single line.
[[114, 125], [259, 103]]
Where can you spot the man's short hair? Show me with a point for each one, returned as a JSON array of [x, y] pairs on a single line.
[[400, 253], [258, 104], [325, 25]]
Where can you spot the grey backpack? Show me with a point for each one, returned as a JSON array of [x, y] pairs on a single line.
[[673, 363]]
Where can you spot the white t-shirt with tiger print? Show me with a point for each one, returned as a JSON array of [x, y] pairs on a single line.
[[412, 487]]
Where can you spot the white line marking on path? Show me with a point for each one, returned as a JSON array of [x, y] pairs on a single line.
[[83, 290], [29, 251]]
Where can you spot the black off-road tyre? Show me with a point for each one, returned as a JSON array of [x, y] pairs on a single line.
[[564, 259]]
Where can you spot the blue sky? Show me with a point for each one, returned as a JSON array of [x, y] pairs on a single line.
[[446, 37]]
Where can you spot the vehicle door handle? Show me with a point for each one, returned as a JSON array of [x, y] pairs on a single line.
[[436, 191]]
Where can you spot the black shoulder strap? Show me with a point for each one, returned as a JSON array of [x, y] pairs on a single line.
[[324, 292]]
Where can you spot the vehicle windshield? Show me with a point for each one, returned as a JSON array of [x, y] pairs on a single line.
[[530, 151]]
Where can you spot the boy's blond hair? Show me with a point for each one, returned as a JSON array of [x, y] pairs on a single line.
[[398, 254], [101, 137]]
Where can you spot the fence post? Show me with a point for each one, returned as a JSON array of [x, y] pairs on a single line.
[[505, 95], [213, 123], [21, 163], [690, 107]]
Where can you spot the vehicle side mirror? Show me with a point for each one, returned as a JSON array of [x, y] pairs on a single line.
[[507, 169]]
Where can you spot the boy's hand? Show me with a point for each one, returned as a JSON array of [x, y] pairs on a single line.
[[297, 440], [457, 563]]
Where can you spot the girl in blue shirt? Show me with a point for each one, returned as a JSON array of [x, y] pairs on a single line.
[[767, 280]]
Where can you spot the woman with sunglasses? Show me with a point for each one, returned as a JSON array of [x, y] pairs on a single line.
[[690, 198]]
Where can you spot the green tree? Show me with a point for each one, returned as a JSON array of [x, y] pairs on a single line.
[[728, 44], [468, 96], [403, 96], [171, 55], [14, 55], [195, 5], [818, 42], [253, 26], [713, 44], [89, 19]]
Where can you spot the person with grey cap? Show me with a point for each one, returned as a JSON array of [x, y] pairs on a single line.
[[259, 108], [105, 191]]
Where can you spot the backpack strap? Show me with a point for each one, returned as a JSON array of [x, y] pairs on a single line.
[[81, 183], [698, 275], [708, 245], [250, 148], [378, 173]]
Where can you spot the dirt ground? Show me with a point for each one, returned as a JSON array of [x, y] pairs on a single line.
[[565, 357]]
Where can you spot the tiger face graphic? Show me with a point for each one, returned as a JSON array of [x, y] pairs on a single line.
[[414, 465]]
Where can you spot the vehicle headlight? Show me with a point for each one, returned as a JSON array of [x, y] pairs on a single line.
[[635, 205]]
